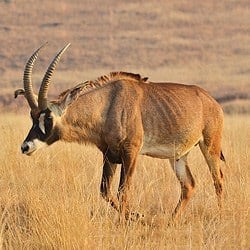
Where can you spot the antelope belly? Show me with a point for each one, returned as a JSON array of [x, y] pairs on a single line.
[[159, 150]]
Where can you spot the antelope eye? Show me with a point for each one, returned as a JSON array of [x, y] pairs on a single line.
[[48, 119], [48, 123]]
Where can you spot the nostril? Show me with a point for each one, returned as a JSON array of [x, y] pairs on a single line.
[[25, 148]]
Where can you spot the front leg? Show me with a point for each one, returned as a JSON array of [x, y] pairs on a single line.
[[127, 170], [107, 177]]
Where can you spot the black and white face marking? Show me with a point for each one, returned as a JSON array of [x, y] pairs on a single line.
[[39, 134], [41, 122], [29, 147]]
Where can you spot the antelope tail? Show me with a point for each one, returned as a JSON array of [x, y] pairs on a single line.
[[222, 157]]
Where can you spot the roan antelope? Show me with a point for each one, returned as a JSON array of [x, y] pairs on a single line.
[[125, 115]]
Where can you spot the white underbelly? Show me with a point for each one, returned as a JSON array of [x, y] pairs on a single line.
[[166, 151], [159, 151]]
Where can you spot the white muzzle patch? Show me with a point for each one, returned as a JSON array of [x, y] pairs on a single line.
[[29, 147]]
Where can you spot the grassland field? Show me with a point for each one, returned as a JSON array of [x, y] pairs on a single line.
[[51, 200]]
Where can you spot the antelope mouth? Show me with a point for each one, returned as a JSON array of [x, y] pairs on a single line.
[[28, 148], [30, 153]]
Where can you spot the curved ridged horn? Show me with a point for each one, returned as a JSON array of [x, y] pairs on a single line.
[[43, 92], [27, 82]]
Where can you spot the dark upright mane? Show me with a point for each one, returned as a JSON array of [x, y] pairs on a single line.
[[85, 87], [121, 75]]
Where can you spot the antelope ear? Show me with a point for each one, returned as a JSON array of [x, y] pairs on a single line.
[[55, 108], [71, 96], [65, 99], [19, 92]]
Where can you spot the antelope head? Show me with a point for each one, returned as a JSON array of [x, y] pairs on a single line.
[[44, 130]]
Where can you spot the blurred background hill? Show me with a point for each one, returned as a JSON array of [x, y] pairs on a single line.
[[197, 42]]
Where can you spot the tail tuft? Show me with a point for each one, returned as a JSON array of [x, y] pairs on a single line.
[[222, 157]]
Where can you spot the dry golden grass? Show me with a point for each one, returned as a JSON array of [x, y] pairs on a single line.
[[51, 200]]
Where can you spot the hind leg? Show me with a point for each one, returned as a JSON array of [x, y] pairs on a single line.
[[212, 154], [187, 182]]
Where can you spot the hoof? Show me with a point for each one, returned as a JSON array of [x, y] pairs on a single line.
[[134, 216]]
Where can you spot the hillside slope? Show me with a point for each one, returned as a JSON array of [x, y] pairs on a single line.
[[206, 43]]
